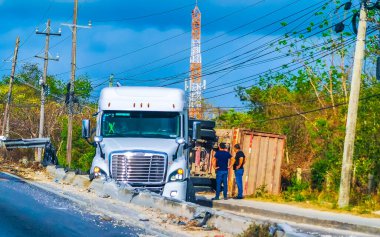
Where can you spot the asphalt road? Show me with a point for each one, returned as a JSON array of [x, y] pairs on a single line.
[[26, 210]]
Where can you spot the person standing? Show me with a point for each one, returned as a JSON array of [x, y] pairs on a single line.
[[220, 163], [238, 165]]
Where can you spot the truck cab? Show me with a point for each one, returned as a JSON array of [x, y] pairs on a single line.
[[142, 139]]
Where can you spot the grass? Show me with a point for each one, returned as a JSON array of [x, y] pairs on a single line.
[[323, 202], [257, 230]]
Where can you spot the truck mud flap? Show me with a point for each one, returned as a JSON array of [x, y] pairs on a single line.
[[190, 191]]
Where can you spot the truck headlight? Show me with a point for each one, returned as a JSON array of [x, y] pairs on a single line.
[[99, 173], [177, 175]]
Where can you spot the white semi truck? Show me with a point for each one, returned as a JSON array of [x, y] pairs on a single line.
[[142, 139]]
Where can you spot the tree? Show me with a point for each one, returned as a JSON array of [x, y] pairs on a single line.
[[315, 77]]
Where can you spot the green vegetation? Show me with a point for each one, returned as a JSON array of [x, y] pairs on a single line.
[[259, 230], [25, 116], [309, 106]]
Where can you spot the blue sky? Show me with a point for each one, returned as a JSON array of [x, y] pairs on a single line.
[[120, 41]]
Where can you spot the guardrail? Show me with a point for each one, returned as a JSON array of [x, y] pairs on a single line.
[[25, 143], [50, 157]]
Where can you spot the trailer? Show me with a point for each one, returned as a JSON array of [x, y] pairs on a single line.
[[264, 155], [262, 170]]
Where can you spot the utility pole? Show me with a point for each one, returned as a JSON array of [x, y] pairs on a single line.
[[42, 83], [74, 28], [111, 81], [345, 179], [5, 130]]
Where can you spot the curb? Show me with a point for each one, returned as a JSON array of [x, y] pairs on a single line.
[[298, 218], [225, 222]]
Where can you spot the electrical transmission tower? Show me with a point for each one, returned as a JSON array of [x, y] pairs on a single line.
[[194, 85]]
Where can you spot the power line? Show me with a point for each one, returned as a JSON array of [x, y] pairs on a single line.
[[219, 63], [237, 65], [319, 109], [204, 25], [41, 19], [246, 79], [256, 19], [164, 40], [265, 46], [271, 71], [234, 39], [60, 42], [309, 111], [145, 16], [207, 41], [351, 41], [32, 33]]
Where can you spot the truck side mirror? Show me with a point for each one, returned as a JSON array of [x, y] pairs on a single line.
[[98, 139], [180, 140], [196, 130], [86, 128]]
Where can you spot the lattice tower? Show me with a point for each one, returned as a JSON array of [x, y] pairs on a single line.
[[194, 87]]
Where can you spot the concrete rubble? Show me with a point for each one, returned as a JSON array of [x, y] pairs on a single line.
[[203, 216], [225, 221]]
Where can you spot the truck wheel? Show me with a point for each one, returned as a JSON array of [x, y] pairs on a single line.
[[206, 134], [190, 191], [201, 181], [205, 124]]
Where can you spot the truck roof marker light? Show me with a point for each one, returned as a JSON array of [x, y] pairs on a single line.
[[148, 105], [140, 105], [173, 106], [109, 104], [134, 105]]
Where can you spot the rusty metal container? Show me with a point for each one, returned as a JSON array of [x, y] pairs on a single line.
[[264, 154]]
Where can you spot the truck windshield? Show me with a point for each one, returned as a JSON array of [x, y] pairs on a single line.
[[141, 124]]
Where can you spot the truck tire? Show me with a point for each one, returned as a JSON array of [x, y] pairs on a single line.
[[206, 134], [190, 192], [206, 124], [201, 181]]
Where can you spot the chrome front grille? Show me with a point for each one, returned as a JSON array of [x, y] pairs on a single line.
[[139, 167]]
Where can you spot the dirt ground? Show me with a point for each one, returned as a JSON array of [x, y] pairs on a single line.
[[167, 224]]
